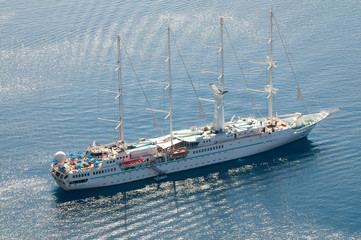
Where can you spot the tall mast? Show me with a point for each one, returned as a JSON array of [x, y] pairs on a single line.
[[221, 49], [221, 23], [121, 127], [270, 106], [218, 119], [170, 91], [271, 64]]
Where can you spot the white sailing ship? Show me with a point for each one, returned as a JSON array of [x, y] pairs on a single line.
[[220, 141]]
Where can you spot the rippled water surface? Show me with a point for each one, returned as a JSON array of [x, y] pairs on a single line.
[[52, 57]]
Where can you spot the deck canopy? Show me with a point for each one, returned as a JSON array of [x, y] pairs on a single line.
[[168, 144]]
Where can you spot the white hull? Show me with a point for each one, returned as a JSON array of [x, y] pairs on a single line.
[[226, 151]]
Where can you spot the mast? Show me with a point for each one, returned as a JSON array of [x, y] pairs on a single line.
[[170, 91], [222, 65], [169, 86], [121, 127], [271, 64], [221, 49], [218, 119]]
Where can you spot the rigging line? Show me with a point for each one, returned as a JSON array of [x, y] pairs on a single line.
[[289, 61], [297, 69], [335, 130], [242, 73], [140, 84], [189, 77], [98, 104], [248, 74]]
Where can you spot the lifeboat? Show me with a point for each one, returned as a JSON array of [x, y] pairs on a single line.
[[178, 153], [133, 163]]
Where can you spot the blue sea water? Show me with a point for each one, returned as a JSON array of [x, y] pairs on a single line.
[[52, 56]]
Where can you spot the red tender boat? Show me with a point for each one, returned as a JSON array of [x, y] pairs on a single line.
[[179, 153], [133, 163]]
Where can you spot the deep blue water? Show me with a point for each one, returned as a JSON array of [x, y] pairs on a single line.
[[51, 56]]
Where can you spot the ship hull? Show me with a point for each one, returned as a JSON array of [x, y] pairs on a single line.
[[199, 157]]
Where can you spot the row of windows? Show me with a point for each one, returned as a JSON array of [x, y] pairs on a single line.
[[80, 175], [79, 181], [208, 149], [113, 161], [104, 171]]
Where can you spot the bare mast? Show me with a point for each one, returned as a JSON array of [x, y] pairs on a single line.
[[271, 64], [221, 23], [170, 91], [218, 119], [121, 126]]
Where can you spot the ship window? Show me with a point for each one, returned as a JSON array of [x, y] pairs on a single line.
[[102, 171]]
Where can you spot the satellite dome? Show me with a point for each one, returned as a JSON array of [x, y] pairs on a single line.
[[60, 157]]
